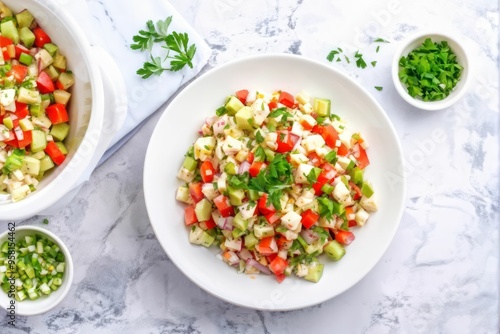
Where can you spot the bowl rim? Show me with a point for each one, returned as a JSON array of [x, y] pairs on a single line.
[[68, 274], [57, 188], [458, 48], [149, 185]]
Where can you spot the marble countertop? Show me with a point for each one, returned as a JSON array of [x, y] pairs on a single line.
[[439, 275]]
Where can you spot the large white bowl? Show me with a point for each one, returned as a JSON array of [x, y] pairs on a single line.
[[88, 133], [177, 130], [44, 303]]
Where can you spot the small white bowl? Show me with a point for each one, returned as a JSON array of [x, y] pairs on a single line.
[[44, 303], [460, 89]]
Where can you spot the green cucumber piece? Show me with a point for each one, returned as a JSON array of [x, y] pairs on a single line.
[[334, 250]]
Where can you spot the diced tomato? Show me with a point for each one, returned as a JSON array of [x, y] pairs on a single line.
[[255, 168], [315, 159], [272, 217], [210, 223], [195, 191], [19, 72], [21, 49], [4, 41], [306, 125], [57, 113], [280, 278], [286, 141], [242, 95], [271, 257], [27, 139], [54, 153], [44, 83], [21, 110], [207, 171], [330, 135], [361, 156], [283, 242], [344, 237], [348, 212], [190, 215], [278, 265], [327, 174], [267, 246], [250, 157], [41, 37], [342, 150], [309, 218], [264, 208], [272, 105], [357, 191], [223, 205], [5, 54], [286, 99]]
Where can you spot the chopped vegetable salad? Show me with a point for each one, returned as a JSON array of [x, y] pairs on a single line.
[[274, 181]]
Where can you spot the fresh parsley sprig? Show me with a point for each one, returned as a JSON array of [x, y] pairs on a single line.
[[178, 51]]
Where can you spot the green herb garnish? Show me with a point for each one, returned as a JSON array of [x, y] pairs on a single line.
[[174, 42]]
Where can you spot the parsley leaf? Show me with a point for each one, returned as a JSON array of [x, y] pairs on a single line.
[[331, 55], [379, 88], [174, 43], [331, 157], [312, 177], [380, 40], [280, 112], [258, 137], [260, 154], [360, 62]]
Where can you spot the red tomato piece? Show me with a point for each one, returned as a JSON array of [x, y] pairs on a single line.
[[27, 139], [278, 265], [207, 171], [342, 150], [242, 95], [6, 55], [255, 168], [264, 208], [44, 83], [21, 49], [267, 246], [4, 41], [330, 135], [361, 156], [57, 113], [309, 218], [272, 105], [223, 205], [250, 157], [195, 191], [54, 153], [348, 212], [21, 110], [287, 99], [272, 217], [344, 237], [280, 278], [315, 159], [283, 242], [190, 215], [306, 125], [19, 72], [286, 141], [41, 37], [210, 223]]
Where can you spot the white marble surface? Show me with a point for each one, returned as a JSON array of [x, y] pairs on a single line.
[[441, 272]]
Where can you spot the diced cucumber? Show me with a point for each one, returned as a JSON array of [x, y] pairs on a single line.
[[36, 110], [9, 30], [203, 210], [27, 37], [51, 48], [367, 190], [356, 175], [233, 105], [31, 166], [251, 241], [263, 231], [27, 96], [239, 222], [60, 131], [60, 145], [66, 80], [59, 62], [230, 168], [61, 96], [314, 272], [39, 141], [334, 250], [46, 163], [244, 118], [190, 164], [199, 237], [236, 233], [24, 20], [236, 196], [52, 73]]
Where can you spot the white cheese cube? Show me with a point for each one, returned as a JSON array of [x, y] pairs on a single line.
[[313, 142], [7, 96], [260, 111], [298, 158], [219, 125], [309, 119], [368, 204], [247, 210], [182, 195], [185, 175], [204, 147], [307, 108], [271, 139], [343, 161], [303, 98], [231, 145], [209, 191], [297, 129], [361, 217], [291, 220], [305, 198], [301, 173], [302, 270], [341, 193], [221, 182]]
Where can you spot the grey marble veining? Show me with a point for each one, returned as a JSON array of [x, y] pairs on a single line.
[[440, 273]]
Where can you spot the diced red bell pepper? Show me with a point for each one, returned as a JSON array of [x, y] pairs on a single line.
[[242, 95], [309, 218], [225, 208], [278, 265], [272, 105], [280, 278], [190, 215], [19, 72], [255, 168], [315, 159], [344, 237], [263, 207], [286, 141], [287, 99], [195, 191], [44, 83], [5, 54], [21, 110], [283, 242], [327, 175], [349, 211], [250, 157], [54, 153], [21, 49], [306, 125], [41, 37], [207, 171], [210, 223], [267, 246], [342, 150], [57, 113]]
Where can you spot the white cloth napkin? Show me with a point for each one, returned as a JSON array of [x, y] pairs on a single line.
[[111, 24]]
